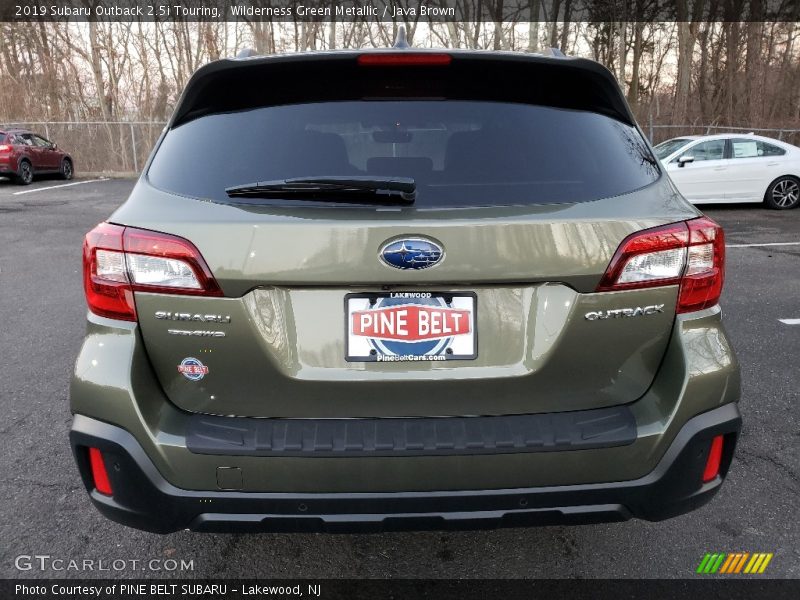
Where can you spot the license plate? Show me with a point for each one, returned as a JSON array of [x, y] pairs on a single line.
[[410, 327]]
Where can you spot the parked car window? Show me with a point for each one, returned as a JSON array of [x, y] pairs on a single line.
[[41, 142], [745, 148], [766, 149], [664, 149], [27, 139], [710, 150]]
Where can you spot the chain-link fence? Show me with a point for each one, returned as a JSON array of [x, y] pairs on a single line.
[[122, 147], [100, 146]]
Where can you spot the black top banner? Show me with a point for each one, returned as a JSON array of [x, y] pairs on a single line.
[[400, 11]]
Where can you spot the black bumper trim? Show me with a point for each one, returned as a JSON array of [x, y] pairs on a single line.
[[421, 436], [145, 500]]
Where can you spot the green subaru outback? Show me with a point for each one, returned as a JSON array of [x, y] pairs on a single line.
[[402, 289]]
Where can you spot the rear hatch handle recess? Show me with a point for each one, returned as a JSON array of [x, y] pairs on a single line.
[[357, 190]]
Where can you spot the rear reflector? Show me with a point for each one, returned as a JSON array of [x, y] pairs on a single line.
[[714, 460], [99, 473], [690, 254], [404, 59], [118, 261]]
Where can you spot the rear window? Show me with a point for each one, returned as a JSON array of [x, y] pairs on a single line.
[[459, 152], [664, 149]]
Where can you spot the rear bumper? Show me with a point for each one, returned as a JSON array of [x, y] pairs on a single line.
[[145, 500]]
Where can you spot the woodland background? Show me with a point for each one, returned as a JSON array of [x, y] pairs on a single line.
[[705, 69]]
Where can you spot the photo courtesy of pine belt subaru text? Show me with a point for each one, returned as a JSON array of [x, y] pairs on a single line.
[[454, 290]]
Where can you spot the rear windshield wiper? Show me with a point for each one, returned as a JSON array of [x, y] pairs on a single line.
[[356, 190]]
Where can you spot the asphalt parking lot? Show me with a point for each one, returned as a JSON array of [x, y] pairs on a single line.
[[45, 510]]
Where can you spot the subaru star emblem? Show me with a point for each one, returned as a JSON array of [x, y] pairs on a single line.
[[412, 253]]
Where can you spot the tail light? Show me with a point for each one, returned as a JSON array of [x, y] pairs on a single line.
[[99, 474], [5, 148], [690, 254], [118, 261], [404, 59]]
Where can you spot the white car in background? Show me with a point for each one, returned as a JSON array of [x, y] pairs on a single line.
[[730, 168]]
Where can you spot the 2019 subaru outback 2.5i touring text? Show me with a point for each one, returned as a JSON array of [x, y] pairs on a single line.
[[451, 290]]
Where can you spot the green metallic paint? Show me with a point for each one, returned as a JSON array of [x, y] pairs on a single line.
[[283, 355], [329, 246], [282, 270], [114, 382]]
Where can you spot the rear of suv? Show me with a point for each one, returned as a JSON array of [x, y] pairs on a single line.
[[402, 290]]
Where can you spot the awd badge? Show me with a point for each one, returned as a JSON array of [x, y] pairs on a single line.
[[192, 369]]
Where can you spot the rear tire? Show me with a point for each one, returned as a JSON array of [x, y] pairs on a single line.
[[24, 173], [67, 171], [783, 193]]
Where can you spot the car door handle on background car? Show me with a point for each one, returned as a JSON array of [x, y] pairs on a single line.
[[721, 168]]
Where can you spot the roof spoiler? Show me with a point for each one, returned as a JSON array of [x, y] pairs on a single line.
[[238, 84]]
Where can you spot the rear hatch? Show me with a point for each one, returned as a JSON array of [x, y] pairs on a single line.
[[478, 298]]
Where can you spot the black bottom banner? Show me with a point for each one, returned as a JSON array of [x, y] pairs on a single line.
[[405, 589]]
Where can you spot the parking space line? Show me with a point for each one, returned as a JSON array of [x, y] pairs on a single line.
[[52, 187], [790, 321], [765, 244]]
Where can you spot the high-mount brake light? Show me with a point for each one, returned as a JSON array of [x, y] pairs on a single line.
[[118, 261], [404, 59], [690, 253]]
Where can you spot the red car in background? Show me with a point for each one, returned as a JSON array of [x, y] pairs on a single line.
[[24, 154]]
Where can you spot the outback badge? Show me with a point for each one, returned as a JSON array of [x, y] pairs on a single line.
[[618, 313], [411, 253]]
